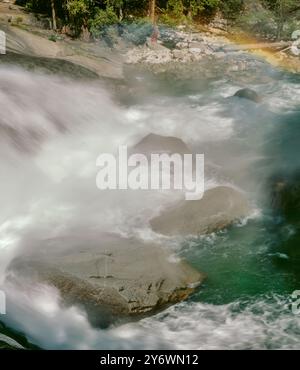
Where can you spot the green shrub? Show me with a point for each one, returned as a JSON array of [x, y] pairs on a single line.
[[137, 31], [173, 15], [231, 9], [171, 21], [260, 23], [52, 38], [102, 20]]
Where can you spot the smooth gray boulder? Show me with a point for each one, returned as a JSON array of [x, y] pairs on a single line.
[[248, 94], [218, 209], [112, 278]]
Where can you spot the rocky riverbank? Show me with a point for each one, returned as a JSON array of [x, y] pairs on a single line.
[[179, 51], [187, 47], [30, 45], [175, 50]]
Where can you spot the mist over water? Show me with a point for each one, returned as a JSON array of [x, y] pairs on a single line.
[[52, 131]]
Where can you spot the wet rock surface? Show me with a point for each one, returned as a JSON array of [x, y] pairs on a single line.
[[116, 277], [47, 66], [218, 209], [7, 343], [248, 94]]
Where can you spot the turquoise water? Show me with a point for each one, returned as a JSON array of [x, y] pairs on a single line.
[[242, 263]]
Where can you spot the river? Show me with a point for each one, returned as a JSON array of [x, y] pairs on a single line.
[[53, 129]]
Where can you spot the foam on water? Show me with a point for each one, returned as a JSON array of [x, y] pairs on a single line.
[[284, 97], [266, 323], [54, 130]]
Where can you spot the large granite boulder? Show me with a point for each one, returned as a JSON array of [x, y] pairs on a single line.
[[218, 209], [112, 278]]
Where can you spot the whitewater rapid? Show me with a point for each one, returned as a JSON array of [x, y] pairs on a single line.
[[266, 323]]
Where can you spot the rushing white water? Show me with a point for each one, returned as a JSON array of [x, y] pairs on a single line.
[[52, 131], [264, 324]]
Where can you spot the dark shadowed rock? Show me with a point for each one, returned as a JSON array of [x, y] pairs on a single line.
[[8, 343], [219, 208], [113, 278], [153, 143], [285, 196], [248, 94], [50, 66]]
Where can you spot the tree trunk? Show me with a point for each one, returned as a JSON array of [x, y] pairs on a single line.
[[120, 14], [279, 29], [152, 10], [280, 21], [54, 25]]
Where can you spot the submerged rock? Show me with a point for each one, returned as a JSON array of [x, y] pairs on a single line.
[[218, 209], [112, 278], [248, 94]]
